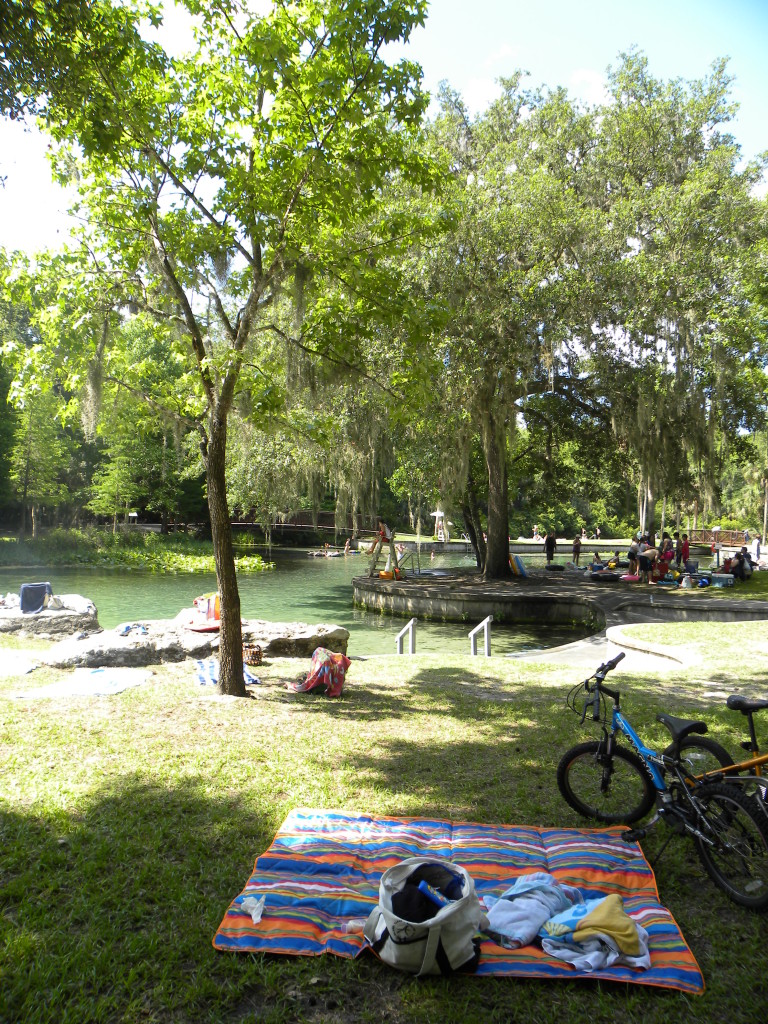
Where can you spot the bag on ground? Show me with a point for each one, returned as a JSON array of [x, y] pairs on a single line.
[[427, 918]]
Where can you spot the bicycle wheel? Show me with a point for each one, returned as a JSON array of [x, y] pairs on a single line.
[[736, 855], [702, 754], [615, 789]]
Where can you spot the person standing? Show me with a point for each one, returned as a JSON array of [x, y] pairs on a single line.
[[634, 545], [756, 547], [646, 557], [686, 550], [383, 536], [576, 549], [550, 546]]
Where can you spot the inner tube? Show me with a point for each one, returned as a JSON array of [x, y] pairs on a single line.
[[604, 576]]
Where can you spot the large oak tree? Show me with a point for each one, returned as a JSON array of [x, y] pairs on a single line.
[[214, 181]]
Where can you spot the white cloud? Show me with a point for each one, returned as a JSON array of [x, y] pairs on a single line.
[[507, 55], [479, 93], [588, 85]]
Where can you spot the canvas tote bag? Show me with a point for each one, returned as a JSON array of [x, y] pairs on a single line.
[[444, 942]]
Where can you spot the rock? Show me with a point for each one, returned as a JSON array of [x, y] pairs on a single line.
[[151, 642], [76, 614], [294, 639]]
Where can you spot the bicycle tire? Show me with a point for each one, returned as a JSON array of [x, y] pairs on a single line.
[[738, 862], [614, 789], [702, 754]]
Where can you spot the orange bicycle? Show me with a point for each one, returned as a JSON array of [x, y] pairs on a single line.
[[748, 773]]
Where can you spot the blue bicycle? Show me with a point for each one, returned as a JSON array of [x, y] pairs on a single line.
[[616, 784]]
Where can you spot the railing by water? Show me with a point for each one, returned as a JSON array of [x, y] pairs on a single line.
[[410, 629], [485, 625]]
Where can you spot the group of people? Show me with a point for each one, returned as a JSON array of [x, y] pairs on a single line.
[[651, 562], [740, 565]]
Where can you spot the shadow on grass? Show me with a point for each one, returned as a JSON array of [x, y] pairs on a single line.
[[108, 915], [111, 912]]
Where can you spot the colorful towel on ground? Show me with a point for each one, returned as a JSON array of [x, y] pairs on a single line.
[[321, 877], [207, 673]]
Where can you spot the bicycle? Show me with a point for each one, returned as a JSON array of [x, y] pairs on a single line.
[[615, 784], [749, 772]]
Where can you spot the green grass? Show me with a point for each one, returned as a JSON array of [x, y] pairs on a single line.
[[128, 824]]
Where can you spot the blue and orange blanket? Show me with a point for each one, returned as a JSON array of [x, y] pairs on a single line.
[[320, 879]]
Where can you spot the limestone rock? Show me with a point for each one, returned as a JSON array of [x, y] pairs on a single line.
[[150, 642], [70, 614], [294, 639]]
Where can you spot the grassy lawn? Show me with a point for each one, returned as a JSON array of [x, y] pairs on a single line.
[[128, 823]]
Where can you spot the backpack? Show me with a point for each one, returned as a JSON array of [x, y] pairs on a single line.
[[427, 917]]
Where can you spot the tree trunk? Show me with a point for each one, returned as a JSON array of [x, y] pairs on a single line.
[[230, 634], [650, 513], [641, 506], [24, 493], [471, 512], [495, 450]]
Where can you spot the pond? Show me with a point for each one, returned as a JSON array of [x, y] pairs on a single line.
[[300, 589]]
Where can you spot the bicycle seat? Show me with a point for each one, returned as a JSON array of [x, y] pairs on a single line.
[[681, 727], [744, 704]]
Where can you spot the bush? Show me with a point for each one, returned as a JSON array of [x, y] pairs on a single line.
[[126, 549]]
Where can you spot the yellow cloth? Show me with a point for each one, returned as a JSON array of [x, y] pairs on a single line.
[[610, 918]]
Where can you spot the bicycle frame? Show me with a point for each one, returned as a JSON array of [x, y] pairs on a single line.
[[727, 824], [649, 757]]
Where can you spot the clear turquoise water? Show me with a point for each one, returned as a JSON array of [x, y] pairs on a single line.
[[299, 589]]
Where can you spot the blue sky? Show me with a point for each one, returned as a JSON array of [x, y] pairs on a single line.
[[470, 43]]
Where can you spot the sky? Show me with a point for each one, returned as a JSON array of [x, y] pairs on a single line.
[[470, 43]]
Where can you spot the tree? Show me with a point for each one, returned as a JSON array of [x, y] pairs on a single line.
[[8, 417], [63, 59], [511, 271], [679, 351], [228, 176], [39, 457]]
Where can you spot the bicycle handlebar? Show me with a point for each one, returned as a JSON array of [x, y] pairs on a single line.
[[599, 677]]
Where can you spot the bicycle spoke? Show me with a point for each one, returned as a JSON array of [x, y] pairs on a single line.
[[735, 848], [612, 789]]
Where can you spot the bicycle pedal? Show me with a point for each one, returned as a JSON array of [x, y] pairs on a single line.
[[634, 834]]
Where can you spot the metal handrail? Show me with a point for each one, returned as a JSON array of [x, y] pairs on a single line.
[[485, 625], [410, 630]]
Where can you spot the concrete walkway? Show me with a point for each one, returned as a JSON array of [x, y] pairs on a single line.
[[639, 656]]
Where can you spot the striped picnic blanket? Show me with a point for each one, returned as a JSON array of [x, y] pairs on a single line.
[[320, 877]]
